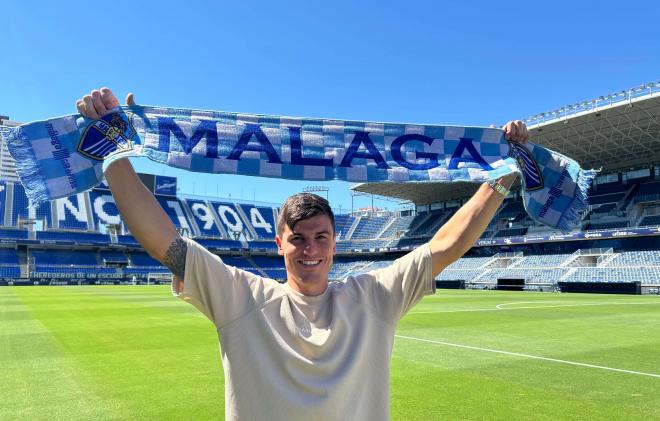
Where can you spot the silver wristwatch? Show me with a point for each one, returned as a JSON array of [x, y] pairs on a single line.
[[498, 187]]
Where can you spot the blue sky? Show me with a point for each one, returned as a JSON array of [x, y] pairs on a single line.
[[462, 63]]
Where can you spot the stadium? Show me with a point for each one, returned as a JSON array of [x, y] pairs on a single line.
[[517, 265]]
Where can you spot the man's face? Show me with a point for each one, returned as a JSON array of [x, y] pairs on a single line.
[[308, 250]]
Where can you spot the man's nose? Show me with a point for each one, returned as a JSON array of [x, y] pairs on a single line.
[[309, 247]]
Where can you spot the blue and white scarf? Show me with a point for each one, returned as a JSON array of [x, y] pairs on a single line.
[[63, 156]]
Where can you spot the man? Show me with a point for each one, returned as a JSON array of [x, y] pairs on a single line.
[[309, 348]]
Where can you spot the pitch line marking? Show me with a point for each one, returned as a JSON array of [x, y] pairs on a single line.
[[498, 307], [604, 303], [536, 357], [501, 306]]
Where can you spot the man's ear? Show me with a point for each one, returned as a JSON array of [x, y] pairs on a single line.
[[278, 241]]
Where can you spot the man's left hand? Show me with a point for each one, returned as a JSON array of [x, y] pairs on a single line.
[[516, 131]]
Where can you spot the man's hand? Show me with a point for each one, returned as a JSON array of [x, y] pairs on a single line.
[[100, 102], [516, 131]]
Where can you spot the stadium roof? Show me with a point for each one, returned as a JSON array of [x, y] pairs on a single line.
[[615, 132]]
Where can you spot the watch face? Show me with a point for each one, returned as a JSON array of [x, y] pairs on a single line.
[[498, 188]]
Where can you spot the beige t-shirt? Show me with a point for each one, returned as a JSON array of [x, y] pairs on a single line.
[[287, 356]]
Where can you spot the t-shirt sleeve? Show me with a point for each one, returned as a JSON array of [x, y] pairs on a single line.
[[394, 290], [221, 292]]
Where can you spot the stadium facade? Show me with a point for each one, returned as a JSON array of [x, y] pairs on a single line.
[[614, 248]]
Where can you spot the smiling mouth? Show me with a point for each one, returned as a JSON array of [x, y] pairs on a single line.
[[310, 263]]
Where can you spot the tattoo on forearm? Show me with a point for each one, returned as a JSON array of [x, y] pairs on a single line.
[[175, 257]]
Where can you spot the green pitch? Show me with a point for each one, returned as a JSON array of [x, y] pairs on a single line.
[[137, 353]]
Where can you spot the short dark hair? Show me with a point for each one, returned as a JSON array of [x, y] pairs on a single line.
[[303, 206]]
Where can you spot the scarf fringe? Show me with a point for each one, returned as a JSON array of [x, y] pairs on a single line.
[[32, 180]]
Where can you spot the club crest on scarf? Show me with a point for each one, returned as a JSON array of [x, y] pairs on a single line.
[[530, 169], [110, 133]]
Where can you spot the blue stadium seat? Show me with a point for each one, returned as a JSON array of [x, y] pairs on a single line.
[[127, 240], [606, 198], [13, 234], [607, 225], [113, 257], [220, 244], [78, 258], [256, 245], [607, 188], [143, 260], [10, 272], [73, 237], [650, 220], [8, 256], [511, 232]]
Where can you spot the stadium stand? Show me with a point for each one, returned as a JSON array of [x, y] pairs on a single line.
[[369, 227], [113, 258], [8, 257], [397, 227], [127, 240], [10, 234], [220, 244], [72, 237], [262, 245], [97, 246], [343, 224], [9, 264], [143, 260]]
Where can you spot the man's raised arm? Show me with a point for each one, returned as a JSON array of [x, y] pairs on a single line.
[[465, 227], [139, 209]]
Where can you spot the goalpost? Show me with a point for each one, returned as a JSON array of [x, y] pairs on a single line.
[[159, 278]]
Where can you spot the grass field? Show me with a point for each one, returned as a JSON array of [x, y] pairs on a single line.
[[137, 353]]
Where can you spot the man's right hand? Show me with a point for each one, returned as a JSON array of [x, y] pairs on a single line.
[[100, 102]]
